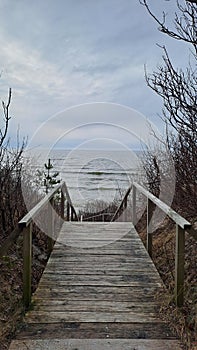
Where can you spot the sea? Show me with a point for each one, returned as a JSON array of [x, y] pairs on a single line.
[[90, 175]]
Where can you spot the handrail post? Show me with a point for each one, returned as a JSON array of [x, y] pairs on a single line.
[[179, 265], [72, 214], [27, 262], [50, 225], [68, 212], [62, 204], [149, 227], [134, 205], [124, 207]]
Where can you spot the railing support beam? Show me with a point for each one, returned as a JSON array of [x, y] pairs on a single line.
[[27, 262], [50, 225], [62, 204], [25, 225], [150, 208], [68, 212], [134, 217], [72, 214], [179, 265]]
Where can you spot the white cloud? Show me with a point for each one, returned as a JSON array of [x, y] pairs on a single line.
[[55, 57], [24, 67]]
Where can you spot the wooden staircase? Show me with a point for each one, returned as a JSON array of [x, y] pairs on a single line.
[[98, 292]]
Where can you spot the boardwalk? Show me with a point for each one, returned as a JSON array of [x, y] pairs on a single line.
[[97, 292]]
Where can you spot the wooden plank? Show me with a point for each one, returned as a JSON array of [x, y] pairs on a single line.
[[101, 242], [75, 265], [96, 330], [83, 251], [128, 280], [95, 306], [97, 229], [80, 247], [127, 276], [95, 293], [103, 270], [68, 316], [60, 295], [64, 298], [97, 344], [103, 260], [99, 292], [98, 258]]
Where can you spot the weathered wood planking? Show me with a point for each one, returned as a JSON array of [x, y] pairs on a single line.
[[96, 344], [102, 330], [99, 283], [95, 293]]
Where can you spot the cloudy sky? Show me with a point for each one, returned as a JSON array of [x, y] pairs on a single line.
[[63, 53]]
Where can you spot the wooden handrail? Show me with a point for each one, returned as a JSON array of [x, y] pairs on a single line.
[[182, 225], [122, 205], [178, 219], [70, 204], [95, 216], [25, 221], [25, 224]]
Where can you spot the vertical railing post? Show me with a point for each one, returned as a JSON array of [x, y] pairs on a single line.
[[134, 218], [150, 206], [72, 214], [124, 207], [179, 265], [62, 204], [68, 212], [50, 225], [27, 261]]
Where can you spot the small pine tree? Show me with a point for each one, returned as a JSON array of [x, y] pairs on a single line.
[[50, 179]]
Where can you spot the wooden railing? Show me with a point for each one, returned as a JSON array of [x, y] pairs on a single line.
[[122, 206], [25, 225], [182, 226], [97, 217]]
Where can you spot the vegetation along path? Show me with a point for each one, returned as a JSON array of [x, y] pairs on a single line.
[[97, 292]]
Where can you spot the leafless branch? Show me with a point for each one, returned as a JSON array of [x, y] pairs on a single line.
[[3, 133]]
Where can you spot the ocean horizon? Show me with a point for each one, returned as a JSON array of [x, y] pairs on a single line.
[[90, 175]]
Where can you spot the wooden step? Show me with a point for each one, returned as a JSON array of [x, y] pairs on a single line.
[[95, 344], [97, 298]]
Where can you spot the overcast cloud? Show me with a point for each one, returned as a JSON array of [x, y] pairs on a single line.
[[58, 54]]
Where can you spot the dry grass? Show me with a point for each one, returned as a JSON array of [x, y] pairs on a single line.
[[11, 265]]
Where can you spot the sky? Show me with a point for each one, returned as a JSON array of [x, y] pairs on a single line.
[[60, 54]]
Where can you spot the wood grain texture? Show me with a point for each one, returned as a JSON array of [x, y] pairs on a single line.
[[104, 289], [95, 344], [64, 330]]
